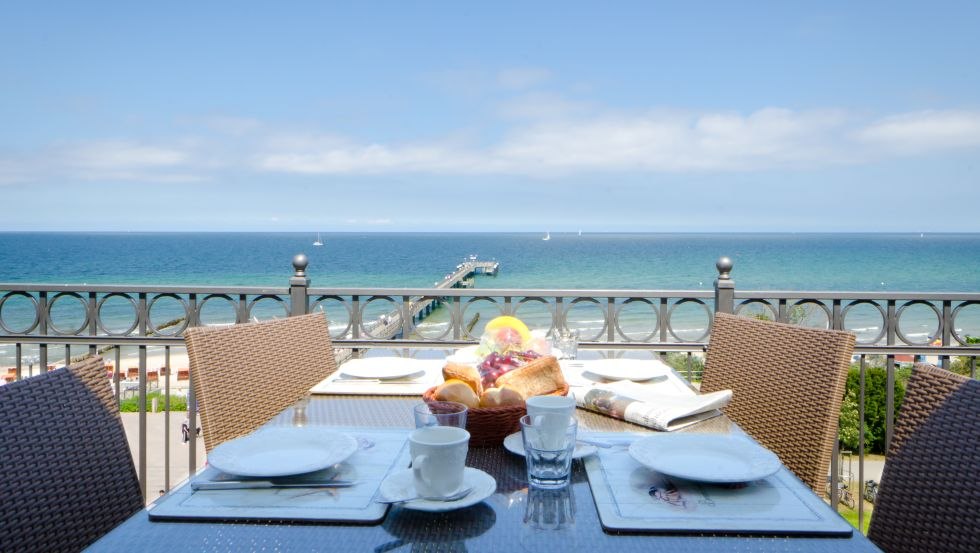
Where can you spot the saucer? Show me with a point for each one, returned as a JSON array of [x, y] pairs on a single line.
[[401, 484], [515, 444]]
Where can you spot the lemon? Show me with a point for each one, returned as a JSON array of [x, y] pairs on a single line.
[[506, 321]]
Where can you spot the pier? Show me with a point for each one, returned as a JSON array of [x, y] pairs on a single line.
[[389, 325]]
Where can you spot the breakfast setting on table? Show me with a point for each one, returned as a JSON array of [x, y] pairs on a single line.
[[519, 390]]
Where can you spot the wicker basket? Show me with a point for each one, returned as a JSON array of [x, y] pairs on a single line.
[[488, 426]]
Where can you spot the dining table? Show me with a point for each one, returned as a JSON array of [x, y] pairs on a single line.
[[515, 517]]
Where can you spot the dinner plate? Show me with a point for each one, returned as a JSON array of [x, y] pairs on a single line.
[[515, 444], [637, 370], [381, 367], [705, 457], [282, 451], [402, 484]]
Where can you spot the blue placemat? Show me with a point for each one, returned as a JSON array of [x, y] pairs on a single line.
[[631, 497], [381, 451]]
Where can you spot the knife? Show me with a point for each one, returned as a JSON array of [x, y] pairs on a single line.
[[259, 484]]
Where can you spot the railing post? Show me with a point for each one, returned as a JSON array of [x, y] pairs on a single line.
[[298, 285], [724, 287]]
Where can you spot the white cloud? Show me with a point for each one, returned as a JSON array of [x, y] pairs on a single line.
[[537, 106], [658, 141], [520, 78], [923, 131], [121, 155], [573, 138]]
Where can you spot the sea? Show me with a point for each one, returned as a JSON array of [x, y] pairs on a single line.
[[911, 262]]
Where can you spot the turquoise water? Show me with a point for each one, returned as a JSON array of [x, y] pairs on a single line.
[[831, 262], [881, 262]]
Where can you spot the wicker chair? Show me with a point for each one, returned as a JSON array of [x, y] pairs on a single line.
[[788, 385], [67, 473], [929, 498], [245, 374]]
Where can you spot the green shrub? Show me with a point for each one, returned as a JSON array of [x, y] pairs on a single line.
[[875, 414], [131, 405], [678, 361]]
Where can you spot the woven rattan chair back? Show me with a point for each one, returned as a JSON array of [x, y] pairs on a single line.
[[929, 499], [245, 374], [66, 472], [787, 387]]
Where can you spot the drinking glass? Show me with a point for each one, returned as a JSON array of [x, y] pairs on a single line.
[[547, 450], [440, 413], [566, 342]]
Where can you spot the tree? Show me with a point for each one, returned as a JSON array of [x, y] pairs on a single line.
[[875, 408]]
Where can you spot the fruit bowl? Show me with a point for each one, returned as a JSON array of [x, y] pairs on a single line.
[[488, 426]]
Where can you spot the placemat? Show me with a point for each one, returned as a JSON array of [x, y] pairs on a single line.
[[341, 384], [381, 451], [632, 497]]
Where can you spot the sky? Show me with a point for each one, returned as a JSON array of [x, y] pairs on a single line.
[[648, 116]]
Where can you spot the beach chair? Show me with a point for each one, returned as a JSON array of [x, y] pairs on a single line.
[[183, 374], [133, 373], [787, 385], [929, 498], [68, 475], [245, 374]]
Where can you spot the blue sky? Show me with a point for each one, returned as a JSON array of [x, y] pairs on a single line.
[[449, 116]]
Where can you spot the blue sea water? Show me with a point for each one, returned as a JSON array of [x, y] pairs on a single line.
[[831, 262], [839, 262]]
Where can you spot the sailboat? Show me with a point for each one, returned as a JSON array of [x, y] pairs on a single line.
[[547, 236], [318, 241]]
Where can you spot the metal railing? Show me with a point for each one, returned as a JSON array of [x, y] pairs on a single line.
[[86, 319]]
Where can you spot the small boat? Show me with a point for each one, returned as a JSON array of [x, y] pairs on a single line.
[[318, 241], [547, 236]]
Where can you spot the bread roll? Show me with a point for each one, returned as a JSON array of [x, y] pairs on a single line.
[[466, 373], [458, 391], [499, 397], [539, 377]]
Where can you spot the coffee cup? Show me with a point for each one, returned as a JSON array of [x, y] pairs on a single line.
[[551, 414], [438, 459]]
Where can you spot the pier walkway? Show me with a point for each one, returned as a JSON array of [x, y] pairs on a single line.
[[389, 325]]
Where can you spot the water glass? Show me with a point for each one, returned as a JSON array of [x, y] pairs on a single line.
[[440, 413], [566, 342], [549, 457]]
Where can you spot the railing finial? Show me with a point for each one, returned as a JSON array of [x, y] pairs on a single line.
[[300, 263], [724, 265]]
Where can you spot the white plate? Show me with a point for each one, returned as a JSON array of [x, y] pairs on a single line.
[[515, 444], [401, 484], [465, 356], [282, 451], [636, 370], [381, 367], [705, 457]]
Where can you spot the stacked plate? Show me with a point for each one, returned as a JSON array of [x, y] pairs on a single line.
[[705, 457], [282, 451]]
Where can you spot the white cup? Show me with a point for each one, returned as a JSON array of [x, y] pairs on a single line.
[[552, 415], [438, 458]]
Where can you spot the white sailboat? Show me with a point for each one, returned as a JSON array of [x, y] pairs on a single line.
[[318, 241], [547, 236]]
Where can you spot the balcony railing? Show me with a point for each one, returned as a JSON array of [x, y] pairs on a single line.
[[46, 324]]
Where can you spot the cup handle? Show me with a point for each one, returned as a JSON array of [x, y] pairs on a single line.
[[417, 470]]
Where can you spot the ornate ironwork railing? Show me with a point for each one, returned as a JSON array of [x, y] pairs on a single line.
[[47, 325]]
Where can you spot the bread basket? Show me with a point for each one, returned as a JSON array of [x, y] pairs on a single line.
[[488, 426]]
